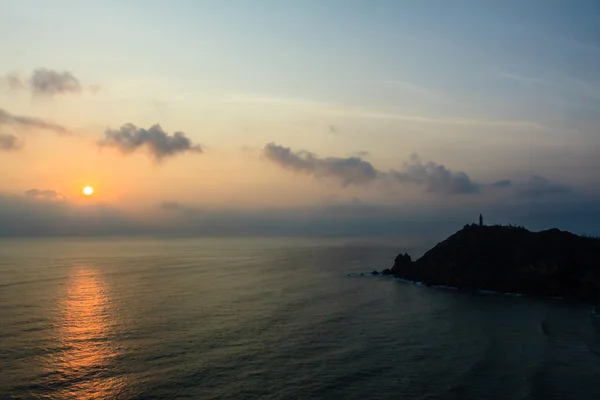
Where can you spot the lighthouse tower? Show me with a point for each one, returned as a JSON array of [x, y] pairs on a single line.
[[480, 220]]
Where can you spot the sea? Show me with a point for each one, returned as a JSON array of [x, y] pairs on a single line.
[[272, 318]]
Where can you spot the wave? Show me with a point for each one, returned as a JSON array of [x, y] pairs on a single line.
[[361, 274], [445, 287]]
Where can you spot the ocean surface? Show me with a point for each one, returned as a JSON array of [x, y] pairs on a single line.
[[271, 319]]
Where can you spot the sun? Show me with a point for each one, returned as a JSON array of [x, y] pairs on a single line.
[[88, 190]]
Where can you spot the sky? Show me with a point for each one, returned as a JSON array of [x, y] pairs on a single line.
[[328, 117]]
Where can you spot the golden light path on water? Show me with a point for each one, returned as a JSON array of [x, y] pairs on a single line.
[[85, 332]]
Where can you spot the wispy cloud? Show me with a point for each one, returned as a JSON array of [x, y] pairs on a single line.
[[9, 143], [558, 82], [579, 45], [538, 186], [94, 88], [453, 121], [518, 78], [44, 194], [14, 81], [130, 138], [28, 123], [416, 89], [341, 110], [588, 89]]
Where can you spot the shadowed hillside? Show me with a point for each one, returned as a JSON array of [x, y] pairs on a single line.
[[510, 259]]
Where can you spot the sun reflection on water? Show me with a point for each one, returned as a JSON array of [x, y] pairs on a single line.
[[83, 366]]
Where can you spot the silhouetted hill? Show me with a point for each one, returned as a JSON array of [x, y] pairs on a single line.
[[510, 259]]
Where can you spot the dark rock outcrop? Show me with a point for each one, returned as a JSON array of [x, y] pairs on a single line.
[[510, 259]]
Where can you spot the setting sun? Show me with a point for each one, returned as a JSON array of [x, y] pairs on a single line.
[[88, 190]]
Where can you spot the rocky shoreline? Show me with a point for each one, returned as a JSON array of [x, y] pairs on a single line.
[[508, 260]]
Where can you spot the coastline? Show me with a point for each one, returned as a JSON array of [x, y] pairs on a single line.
[[462, 290]]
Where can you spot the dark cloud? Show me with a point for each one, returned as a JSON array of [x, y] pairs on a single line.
[[170, 206], [177, 207], [504, 183], [435, 178], [44, 215], [28, 123], [44, 194], [45, 81], [351, 170], [160, 144], [48, 82], [9, 143], [355, 217], [432, 177], [538, 186], [351, 218]]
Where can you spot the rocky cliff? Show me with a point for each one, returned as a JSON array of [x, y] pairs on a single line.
[[510, 259]]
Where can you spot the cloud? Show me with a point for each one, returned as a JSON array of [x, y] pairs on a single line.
[[177, 207], [48, 82], [351, 216], [14, 81], [538, 186], [338, 109], [44, 194], [9, 143], [27, 123], [350, 170], [41, 214], [45, 213], [45, 81], [341, 218], [129, 138], [432, 177], [94, 88], [435, 178], [518, 78], [418, 90], [504, 183], [429, 176]]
